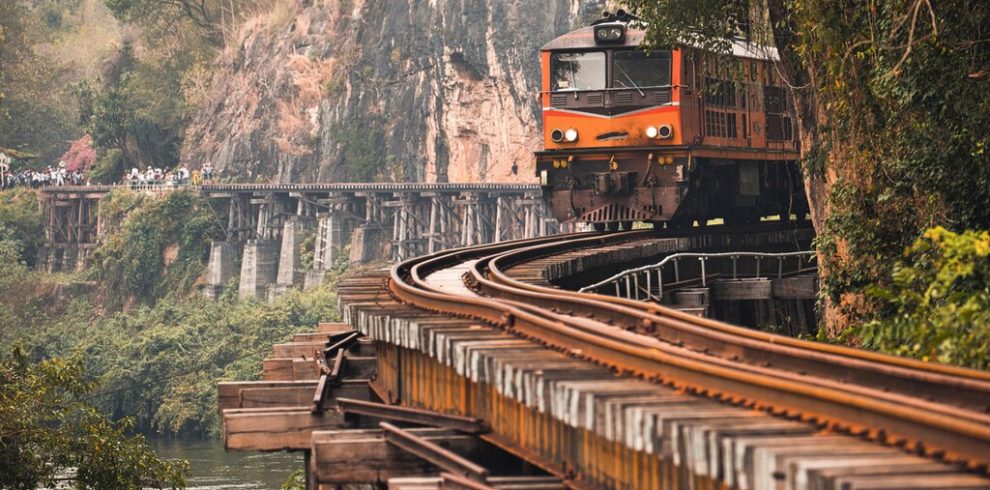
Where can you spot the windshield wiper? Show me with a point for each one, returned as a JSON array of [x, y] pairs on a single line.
[[574, 82], [641, 94]]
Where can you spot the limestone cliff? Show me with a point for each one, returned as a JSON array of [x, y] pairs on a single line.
[[416, 90]]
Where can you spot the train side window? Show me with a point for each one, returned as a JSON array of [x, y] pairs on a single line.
[[720, 93], [578, 71]]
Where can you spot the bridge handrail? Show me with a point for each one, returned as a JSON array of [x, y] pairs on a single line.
[[657, 268]]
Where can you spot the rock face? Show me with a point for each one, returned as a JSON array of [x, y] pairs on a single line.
[[404, 90]]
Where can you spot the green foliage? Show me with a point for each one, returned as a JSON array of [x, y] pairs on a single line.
[[160, 249], [363, 150], [160, 364], [109, 167], [35, 114], [47, 429], [891, 99], [20, 216], [707, 23], [938, 307], [295, 481], [901, 97]]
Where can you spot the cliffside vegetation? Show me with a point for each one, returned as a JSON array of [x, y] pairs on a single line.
[[892, 101], [134, 317], [129, 72]]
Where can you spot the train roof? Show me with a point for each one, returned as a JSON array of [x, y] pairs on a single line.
[[584, 38]]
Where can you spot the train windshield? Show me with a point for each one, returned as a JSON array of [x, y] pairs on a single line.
[[639, 69], [578, 71]]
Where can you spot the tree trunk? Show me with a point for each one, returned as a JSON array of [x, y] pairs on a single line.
[[819, 175]]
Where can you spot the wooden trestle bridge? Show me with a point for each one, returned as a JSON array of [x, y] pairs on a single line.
[[483, 368], [265, 225]]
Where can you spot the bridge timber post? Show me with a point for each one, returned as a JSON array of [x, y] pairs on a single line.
[[269, 230], [72, 228]]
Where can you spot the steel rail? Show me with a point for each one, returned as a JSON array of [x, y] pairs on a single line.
[[967, 387], [958, 439]]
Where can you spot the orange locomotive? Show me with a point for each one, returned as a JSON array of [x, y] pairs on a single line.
[[663, 136]]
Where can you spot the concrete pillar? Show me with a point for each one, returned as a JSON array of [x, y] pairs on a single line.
[[332, 235], [367, 244], [290, 271], [259, 268], [220, 269], [314, 279], [70, 255]]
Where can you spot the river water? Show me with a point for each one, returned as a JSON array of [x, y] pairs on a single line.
[[212, 468]]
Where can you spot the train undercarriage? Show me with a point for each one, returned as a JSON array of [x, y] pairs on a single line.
[[613, 190]]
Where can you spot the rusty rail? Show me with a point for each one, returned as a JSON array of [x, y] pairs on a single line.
[[810, 395]]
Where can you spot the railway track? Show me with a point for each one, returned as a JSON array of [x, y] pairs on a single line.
[[931, 410]]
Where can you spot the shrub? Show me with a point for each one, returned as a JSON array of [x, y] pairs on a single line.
[[938, 308]]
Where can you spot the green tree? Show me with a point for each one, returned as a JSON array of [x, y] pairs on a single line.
[[20, 218], [36, 110], [213, 19], [938, 306], [49, 432], [890, 98]]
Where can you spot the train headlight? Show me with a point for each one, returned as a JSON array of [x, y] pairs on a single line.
[[571, 135], [651, 132], [556, 136], [610, 33], [665, 131]]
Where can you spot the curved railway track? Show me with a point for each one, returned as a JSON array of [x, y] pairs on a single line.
[[928, 409]]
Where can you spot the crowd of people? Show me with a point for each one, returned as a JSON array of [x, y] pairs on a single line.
[[59, 175], [39, 178], [178, 177]]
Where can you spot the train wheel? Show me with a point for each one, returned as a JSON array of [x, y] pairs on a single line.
[[598, 226]]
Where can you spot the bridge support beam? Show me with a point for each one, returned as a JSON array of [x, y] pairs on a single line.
[[259, 268], [270, 222], [290, 267], [220, 269]]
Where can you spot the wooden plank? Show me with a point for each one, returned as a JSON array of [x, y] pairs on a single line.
[[798, 287], [331, 327], [270, 394], [741, 289], [278, 369], [229, 393], [289, 369], [301, 350], [312, 337], [276, 397], [275, 429], [363, 456], [305, 369]]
